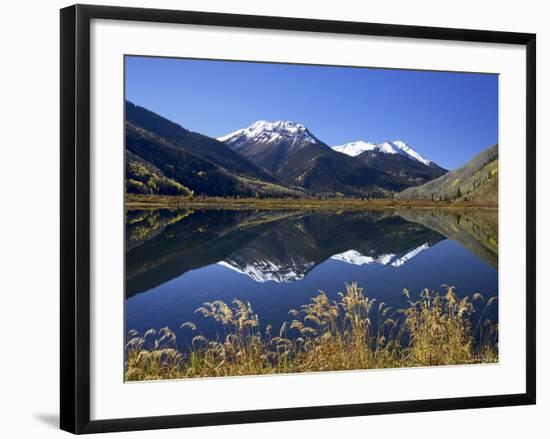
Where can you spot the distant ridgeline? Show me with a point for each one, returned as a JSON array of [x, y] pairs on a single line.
[[280, 159]]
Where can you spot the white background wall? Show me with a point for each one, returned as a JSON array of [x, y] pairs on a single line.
[[29, 243]]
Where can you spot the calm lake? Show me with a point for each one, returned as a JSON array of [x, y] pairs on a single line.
[[278, 260]]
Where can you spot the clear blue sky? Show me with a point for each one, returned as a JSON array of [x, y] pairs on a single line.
[[447, 117]]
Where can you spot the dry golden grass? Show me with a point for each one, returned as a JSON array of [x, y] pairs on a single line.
[[352, 333]]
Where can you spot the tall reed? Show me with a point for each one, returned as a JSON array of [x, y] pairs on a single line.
[[353, 332]]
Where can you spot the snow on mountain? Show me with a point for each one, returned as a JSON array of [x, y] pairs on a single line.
[[293, 133], [355, 148], [265, 271], [356, 258], [396, 147], [409, 255], [411, 152], [263, 131]]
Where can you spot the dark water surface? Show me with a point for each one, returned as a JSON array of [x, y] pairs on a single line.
[[278, 260]]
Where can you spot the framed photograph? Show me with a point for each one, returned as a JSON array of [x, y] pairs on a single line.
[[268, 218]]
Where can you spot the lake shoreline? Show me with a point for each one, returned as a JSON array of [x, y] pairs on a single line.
[[139, 202]]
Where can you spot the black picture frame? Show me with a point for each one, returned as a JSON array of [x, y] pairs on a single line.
[[75, 217]]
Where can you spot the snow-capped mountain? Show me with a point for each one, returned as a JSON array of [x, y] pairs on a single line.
[[409, 255], [410, 152], [291, 152], [272, 145], [356, 258], [263, 132], [265, 271], [396, 147], [355, 148]]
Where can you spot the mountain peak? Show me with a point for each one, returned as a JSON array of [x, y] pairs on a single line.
[[265, 132], [411, 152], [279, 124], [271, 144], [396, 260], [396, 147], [355, 148], [388, 147], [268, 271]]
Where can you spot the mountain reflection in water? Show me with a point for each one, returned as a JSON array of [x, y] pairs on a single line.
[[267, 246], [178, 259]]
